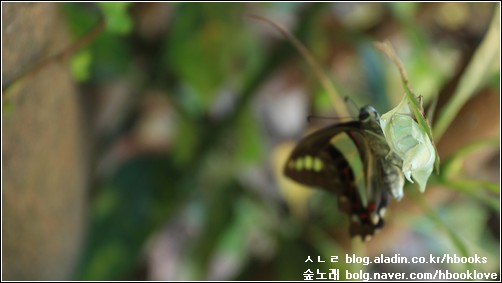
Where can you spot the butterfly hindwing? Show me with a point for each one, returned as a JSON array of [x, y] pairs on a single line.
[[366, 216]]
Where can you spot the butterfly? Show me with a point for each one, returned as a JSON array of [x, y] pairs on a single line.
[[322, 160]]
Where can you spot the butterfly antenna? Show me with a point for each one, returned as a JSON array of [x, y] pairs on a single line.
[[352, 103], [310, 117]]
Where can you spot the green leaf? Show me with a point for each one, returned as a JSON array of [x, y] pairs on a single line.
[[476, 74], [476, 189], [116, 17], [80, 65], [452, 176], [452, 164], [249, 145], [451, 233], [417, 109]]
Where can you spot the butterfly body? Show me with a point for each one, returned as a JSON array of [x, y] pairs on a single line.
[[319, 161]]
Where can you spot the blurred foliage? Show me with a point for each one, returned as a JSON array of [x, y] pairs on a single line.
[[215, 185], [109, 55], [484, 62], [80, 65], [208, 47], [127, 210], [116, 17]]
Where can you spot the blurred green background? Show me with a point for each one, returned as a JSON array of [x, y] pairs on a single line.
[[190, 110]]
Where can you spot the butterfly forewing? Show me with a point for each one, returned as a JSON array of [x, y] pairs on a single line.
[[313, 163]]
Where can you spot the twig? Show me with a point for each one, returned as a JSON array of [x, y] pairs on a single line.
[[320, 74], [387, 49], [59, 57]]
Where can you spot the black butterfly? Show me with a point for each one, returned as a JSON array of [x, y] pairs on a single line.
[[317, 161]]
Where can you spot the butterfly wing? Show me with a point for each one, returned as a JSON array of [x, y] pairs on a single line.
[[313, 162], [367, 217], [316, 161]]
